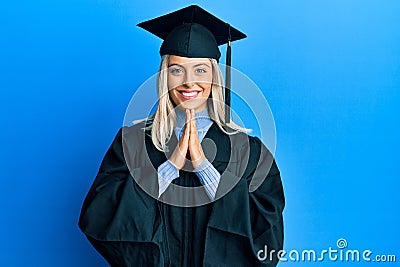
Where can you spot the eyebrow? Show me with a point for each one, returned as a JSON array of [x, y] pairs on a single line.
[[201, 64], [175, 64], [197, 65]]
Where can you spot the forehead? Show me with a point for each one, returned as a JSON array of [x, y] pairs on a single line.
[[186, 60]]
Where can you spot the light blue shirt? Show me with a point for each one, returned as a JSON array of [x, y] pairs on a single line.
[[203, 123], [207, 174]]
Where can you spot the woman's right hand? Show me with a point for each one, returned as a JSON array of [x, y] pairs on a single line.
[[178, 157]]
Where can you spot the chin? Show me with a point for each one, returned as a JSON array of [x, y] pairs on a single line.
[[192, 104]]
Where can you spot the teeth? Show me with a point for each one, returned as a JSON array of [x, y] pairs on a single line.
[[189, 94]]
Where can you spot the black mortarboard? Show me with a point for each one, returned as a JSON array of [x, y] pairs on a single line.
[[194, 32]]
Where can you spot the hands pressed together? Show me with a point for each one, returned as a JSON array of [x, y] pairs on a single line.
[[189, 143]]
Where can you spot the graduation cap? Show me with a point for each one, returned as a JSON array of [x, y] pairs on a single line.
[[194, 32]]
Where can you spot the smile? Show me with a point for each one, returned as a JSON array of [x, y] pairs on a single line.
[[189, 94]]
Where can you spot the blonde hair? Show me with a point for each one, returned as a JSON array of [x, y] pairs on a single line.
[[163, 120]]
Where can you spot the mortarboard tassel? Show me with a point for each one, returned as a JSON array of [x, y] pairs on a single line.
[[228, 78]]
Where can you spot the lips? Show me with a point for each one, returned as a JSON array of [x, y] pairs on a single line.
[[189, 94]]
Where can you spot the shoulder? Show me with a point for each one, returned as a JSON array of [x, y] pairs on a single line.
[[240, 141], [138, 128], [136, 132], [128, 135], [246, 141], [257, 153]]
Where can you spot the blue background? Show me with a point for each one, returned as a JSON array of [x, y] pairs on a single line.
[[329, 69]]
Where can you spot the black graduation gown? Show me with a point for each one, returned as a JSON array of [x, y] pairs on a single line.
[[129, 227]]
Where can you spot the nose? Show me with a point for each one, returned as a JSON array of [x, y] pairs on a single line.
[[188, 80]]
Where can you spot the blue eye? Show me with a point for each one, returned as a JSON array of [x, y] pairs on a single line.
[[201, 70], [176, 71]]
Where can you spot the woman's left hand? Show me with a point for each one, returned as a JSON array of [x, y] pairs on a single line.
[[196, 151]]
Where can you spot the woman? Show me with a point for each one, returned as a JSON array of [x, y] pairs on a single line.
[[173, 190]]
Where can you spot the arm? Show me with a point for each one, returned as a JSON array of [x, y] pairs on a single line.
[[167, 172], [117, 216], [243, 222], [209, 177]]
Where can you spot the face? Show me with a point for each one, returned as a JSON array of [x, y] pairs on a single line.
[[189, 82]]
